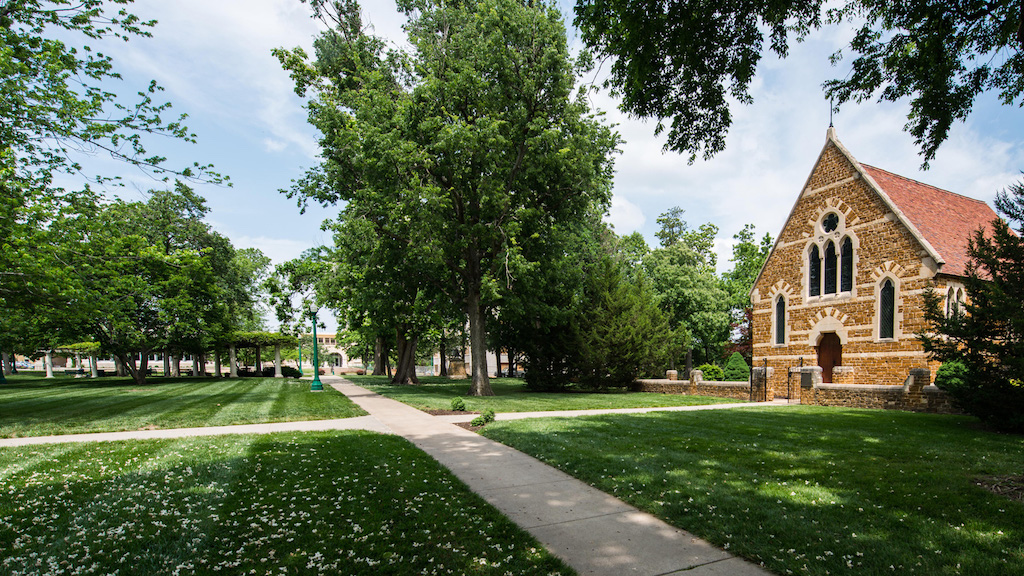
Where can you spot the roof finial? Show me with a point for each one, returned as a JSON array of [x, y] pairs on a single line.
[[830, 108]]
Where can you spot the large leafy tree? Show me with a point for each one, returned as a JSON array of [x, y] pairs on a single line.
[[457, 142], [56, 110], [683, 62], [682, 273], [985, 339], [748, 257], [142, 277]]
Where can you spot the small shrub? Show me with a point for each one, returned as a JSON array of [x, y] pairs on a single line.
[[485, 417], [458, 404], [736, 369], [951, 376], [711, 372], [286, 371]]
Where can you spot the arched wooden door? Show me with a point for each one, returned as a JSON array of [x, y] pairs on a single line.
[[830, 355]]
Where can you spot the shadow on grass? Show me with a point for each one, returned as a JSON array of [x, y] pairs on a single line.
[[805, 489], [349, 503]]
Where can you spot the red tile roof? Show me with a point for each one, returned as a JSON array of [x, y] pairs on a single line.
[[946, 220]]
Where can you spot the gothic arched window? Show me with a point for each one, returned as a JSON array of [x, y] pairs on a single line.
[[830, 268], [814, 278], [780, 321], [887, 310], [846, 266]]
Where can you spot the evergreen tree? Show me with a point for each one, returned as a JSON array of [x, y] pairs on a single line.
[[987, 336]]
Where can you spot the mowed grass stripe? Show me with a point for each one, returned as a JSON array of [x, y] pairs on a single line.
[[39, 407], [255, 403]]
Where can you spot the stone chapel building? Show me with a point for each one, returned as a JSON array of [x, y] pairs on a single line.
[[841, 294]]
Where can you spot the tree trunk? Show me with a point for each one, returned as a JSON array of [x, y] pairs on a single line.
[[444, 359], [167, 364], [378, 356], [93, 369], [689, 362], [277, 361], [405, 371], [7, 363], [232, 361], [481, 385], [259, 361], [175, 367], [511, 362], [216, 363]]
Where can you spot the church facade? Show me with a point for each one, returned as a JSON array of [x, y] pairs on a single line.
[[839, 301]]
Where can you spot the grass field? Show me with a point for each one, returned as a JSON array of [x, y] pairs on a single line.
[[313, 503], [33, 406], [511, 395], [807, 490]]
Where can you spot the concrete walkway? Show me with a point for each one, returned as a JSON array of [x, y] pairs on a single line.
[[591, 531]]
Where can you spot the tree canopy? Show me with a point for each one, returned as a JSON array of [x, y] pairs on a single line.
[[683, 62], [459, 145]]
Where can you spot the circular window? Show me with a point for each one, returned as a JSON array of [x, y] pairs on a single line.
[[830, 222]]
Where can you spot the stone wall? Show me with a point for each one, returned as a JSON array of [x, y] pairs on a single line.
[[697, 386], [915, 395]]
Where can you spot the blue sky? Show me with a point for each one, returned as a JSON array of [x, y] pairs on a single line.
[[213, 59]]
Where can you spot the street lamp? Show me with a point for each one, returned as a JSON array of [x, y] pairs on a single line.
[[317, 384]]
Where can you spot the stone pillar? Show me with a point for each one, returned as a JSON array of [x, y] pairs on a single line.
[[232, 361], [672, 375], [48, 363], [277, 361], [913, 388], [93, 370], [696, 376], [760, 391]]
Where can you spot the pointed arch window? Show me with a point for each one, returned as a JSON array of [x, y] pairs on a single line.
[[846, 266], [887, 310], [950, 303], [814, 278], [830, 268], [780, 321]]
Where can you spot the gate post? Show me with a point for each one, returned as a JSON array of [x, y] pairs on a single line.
[[759, 389]]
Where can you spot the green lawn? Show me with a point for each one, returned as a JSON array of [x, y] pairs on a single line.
[[33, 406], [302, 503], [511, 395], [806, 490]]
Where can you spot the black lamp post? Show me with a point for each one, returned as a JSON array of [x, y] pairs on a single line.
[[317, 386]]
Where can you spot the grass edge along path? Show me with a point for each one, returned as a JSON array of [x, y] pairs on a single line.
[[511, 395], [808, 490], [43, 407], [291, 503]]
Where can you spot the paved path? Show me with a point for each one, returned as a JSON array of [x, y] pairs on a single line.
[[591, 531]]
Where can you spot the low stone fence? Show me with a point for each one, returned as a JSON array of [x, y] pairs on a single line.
[[696, 386], [915, 395]]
